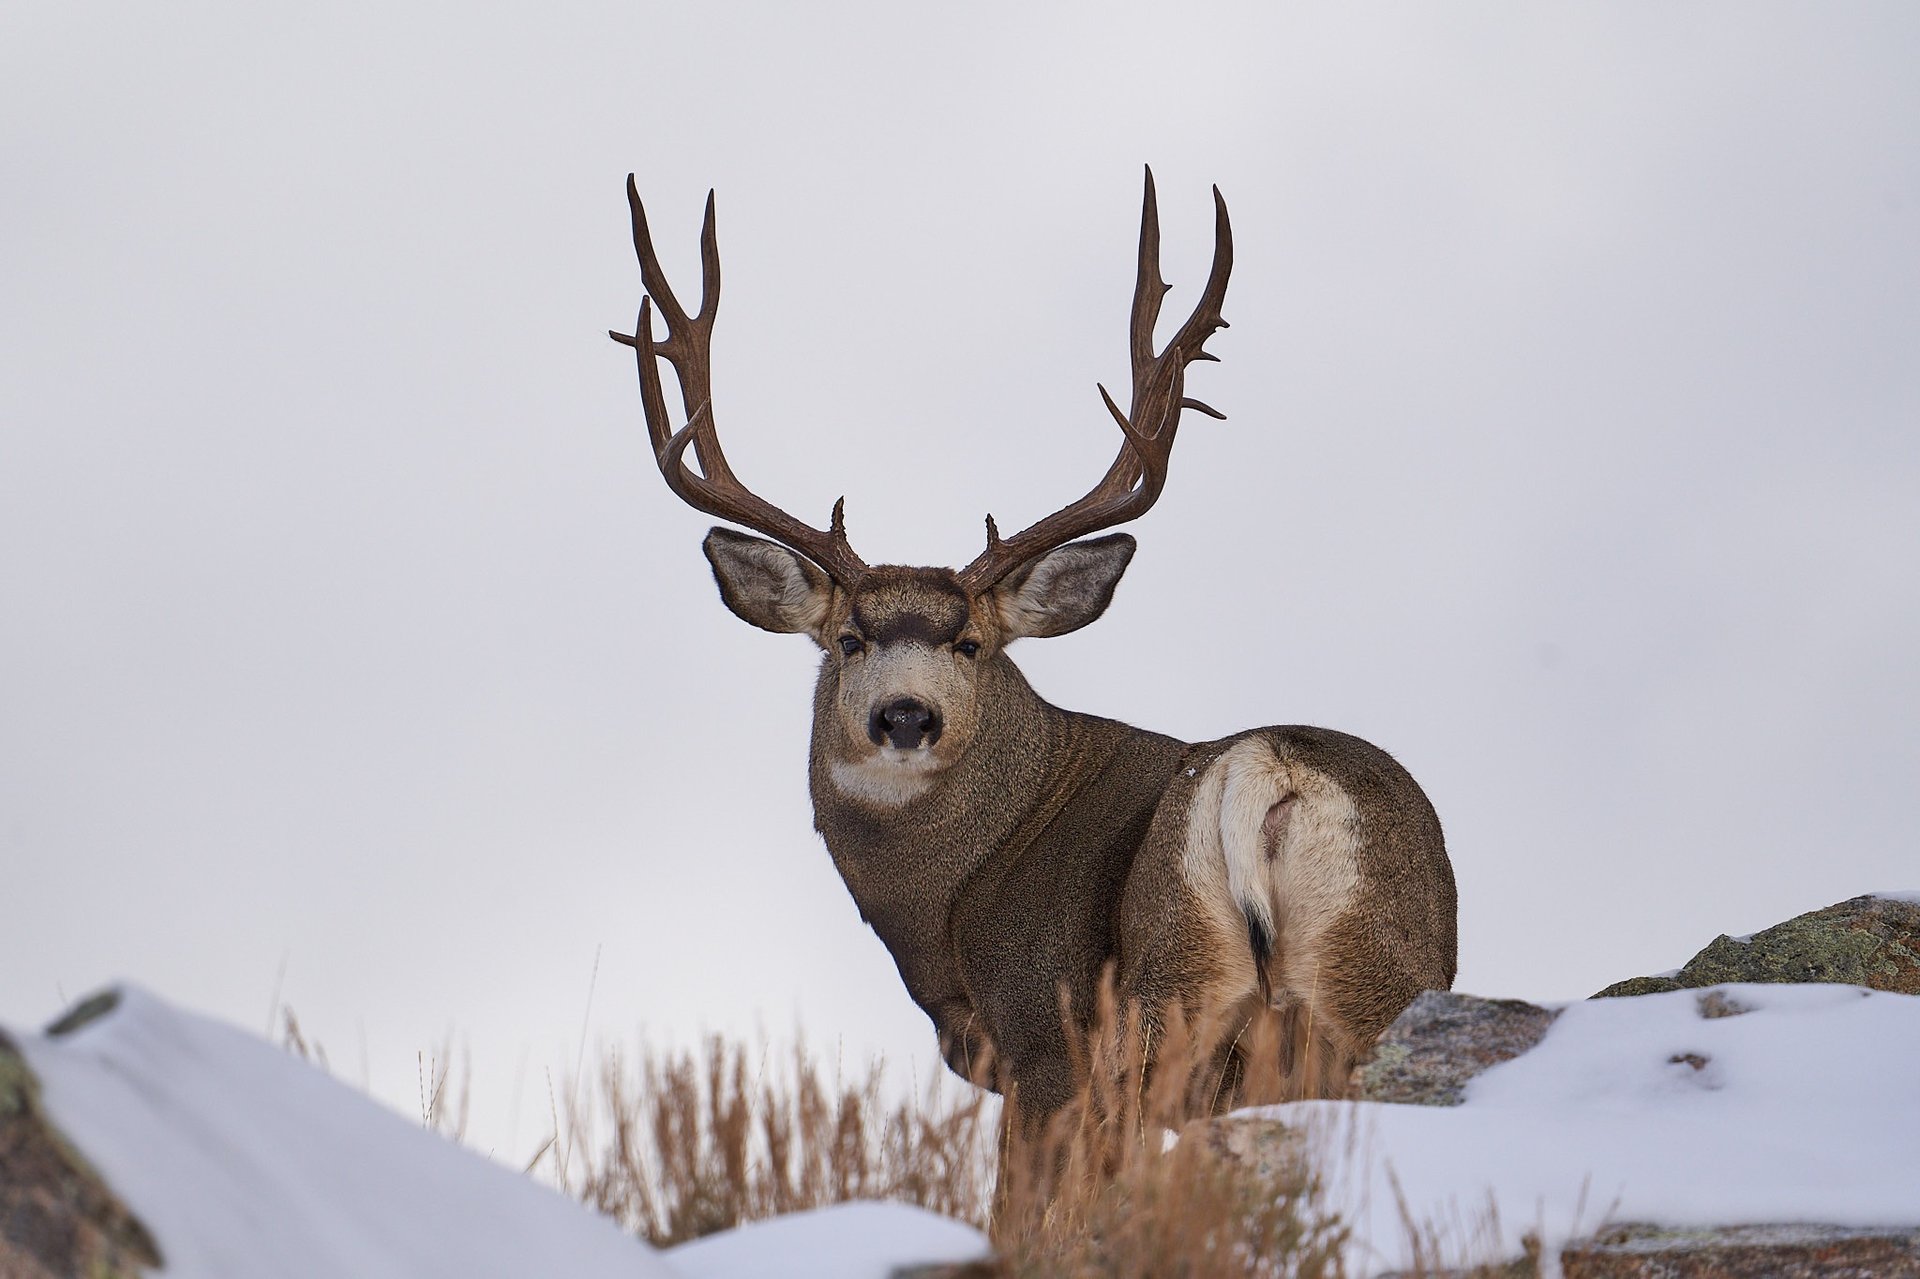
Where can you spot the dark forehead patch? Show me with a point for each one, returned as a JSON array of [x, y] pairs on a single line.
[[923, 605]]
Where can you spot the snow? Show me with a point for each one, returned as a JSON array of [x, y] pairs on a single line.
[[1804, 1109], [846, 1241], [244, 1160]]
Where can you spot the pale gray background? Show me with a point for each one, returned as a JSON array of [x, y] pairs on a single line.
[[346, 629]]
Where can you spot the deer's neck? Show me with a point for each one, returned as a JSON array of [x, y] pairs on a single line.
[[906, 863]]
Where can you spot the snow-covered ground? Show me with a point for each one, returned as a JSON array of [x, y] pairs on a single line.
[[1804, 1109], [846, 1241], [245, 1161]]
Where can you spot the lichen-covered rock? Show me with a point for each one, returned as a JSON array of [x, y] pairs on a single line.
[[57, 1217], [1863, 941], [1442, 1040], [1745, 1252], [1641, 986]]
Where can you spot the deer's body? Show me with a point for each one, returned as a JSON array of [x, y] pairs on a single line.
[[1063, 843], [1009, 852]]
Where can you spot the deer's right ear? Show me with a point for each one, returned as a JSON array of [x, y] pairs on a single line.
[[766, 584], [1064, 589]]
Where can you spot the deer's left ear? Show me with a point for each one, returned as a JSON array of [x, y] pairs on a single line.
[[1064, 589], [767, 584]]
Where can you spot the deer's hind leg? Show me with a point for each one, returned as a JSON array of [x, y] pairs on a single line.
[[1183, 952]]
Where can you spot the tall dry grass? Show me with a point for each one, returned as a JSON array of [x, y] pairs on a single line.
[[675, 1145], [445, 1099], [1131, 1180], [1123, 1183]]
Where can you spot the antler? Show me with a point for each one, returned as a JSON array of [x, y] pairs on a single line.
[[688, 347], [1133, 483]]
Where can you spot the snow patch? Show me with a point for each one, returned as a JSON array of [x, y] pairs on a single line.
[[1805, 1108], [245, 1161], [845, 1241]]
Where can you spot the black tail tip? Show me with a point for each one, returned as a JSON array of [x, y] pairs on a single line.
[[1261, 942]]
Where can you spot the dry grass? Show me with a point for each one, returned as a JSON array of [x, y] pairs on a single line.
[[683, 1144], [445, 1100], [1103, 1189], [677, 1145]]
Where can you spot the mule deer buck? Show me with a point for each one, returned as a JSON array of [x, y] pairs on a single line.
[[1008, 851]]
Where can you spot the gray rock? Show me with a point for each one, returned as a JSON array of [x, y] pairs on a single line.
[[1745, 1252], [1442, 1040], [57, 1217], [1276, 1152], [1863, 941], [1715, 1004], [1640, 986], [85, 1013]]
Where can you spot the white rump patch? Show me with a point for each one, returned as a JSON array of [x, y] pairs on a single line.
[[1293, 876]]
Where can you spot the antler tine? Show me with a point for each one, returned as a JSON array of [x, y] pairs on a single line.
[[1133, 482], [1148, 287], [688, 348]]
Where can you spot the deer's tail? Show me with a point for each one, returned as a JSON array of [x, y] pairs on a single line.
[[1255, 798]]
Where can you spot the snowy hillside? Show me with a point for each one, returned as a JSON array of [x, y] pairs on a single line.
[[1764, 1103], [242, 1160]]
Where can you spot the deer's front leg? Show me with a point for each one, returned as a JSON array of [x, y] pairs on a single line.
[[965, 1044]]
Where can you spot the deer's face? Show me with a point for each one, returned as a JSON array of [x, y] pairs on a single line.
[[900, 684], [908, 650]]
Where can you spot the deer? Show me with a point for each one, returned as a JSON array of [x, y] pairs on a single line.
[[1008, 852]]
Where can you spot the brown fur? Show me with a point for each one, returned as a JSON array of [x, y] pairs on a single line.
[[1051, 844]]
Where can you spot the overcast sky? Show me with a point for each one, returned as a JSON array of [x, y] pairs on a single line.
[[351, 647]]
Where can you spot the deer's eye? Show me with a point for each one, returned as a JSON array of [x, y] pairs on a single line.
[[850, 644], [967, 648]]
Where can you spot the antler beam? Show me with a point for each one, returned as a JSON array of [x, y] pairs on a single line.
[[1133, 483], [688, 348]]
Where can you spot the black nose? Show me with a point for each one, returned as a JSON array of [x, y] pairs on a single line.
[[902, 723]]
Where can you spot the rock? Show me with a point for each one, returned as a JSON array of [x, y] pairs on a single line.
[[1863, 941], [1745, 1252], [57, 1217], [1641, 986], [1718, 1003], [1276, 1152], [85, 1013], [1719, 1252], [1442, 1040]]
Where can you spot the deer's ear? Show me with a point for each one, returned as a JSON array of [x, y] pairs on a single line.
[[767, 584], [1064, 589]]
